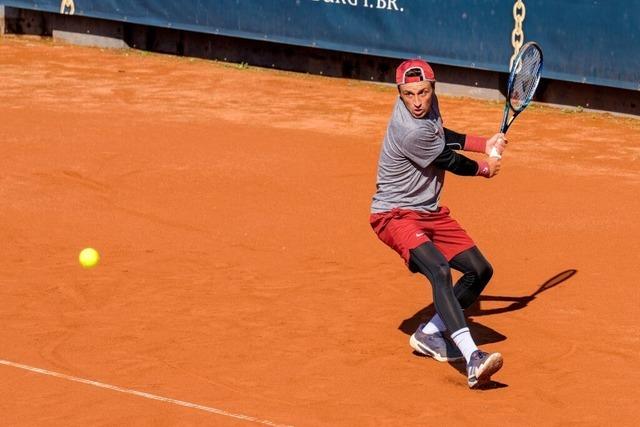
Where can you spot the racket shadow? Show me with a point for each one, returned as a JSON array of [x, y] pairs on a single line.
[[481, 333], [517, 302]]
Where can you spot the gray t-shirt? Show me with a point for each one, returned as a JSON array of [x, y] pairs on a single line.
[[406, 177]]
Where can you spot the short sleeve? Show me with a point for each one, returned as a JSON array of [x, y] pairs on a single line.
[[423, 145]]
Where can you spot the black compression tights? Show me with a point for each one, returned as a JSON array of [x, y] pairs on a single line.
[[450, 301]]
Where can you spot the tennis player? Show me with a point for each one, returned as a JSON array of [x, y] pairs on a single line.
[[406, 215]]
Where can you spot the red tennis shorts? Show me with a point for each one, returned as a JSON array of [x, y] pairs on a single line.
[[404, 229]]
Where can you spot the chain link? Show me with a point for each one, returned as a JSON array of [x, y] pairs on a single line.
[[67, 7], [517, 35]]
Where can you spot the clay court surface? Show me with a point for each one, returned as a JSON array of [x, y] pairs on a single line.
[[239, 271]]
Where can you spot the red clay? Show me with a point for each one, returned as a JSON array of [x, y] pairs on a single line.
[[239, 271]]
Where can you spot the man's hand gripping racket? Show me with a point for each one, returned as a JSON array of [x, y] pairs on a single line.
[[523, 82]]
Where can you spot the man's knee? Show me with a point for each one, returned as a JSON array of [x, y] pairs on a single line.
[[474, 266], [426, 259], [484, 272], [441, 274]]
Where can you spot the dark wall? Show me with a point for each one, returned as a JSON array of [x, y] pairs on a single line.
[[585, 41], [456, 80]]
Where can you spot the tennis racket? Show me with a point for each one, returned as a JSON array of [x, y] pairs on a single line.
[[523, 82]]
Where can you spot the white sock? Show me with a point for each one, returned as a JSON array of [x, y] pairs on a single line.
[[462, 338], [435, 325]]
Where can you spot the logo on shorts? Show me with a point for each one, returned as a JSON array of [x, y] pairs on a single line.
[[419, 234]]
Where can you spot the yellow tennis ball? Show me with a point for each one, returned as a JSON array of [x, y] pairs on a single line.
[[88, 257]]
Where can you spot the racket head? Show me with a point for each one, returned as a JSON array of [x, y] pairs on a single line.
[[524, 76], [555, 281]]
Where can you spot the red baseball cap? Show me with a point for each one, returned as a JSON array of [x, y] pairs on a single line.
[[426, 73]]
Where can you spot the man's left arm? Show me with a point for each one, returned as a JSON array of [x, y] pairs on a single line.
[[477, 144]]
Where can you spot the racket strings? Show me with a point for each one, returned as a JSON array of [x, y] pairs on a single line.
[[526, 77]]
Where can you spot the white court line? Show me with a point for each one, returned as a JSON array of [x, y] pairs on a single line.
[[141, 394]]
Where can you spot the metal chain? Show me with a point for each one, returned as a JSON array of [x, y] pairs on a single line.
[[64, 4], [517, 35]]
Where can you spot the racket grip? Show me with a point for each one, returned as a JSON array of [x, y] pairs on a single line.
[[494, 153]]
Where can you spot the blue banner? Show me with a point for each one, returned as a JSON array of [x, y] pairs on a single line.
[[588, 41]]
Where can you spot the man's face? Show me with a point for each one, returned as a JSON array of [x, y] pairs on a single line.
[[417, 97]]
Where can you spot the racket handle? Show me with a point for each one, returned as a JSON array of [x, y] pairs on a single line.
[[494, 153]]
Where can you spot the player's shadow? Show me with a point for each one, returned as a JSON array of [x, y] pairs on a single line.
[[483, 334]]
